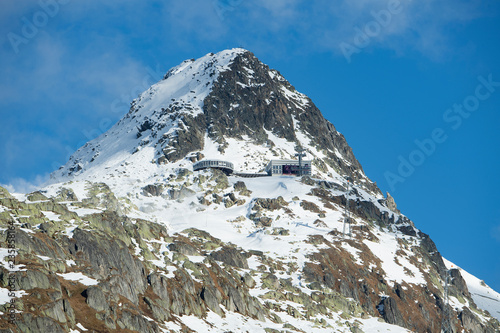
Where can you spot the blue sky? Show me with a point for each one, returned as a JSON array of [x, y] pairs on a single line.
[[404, 81]]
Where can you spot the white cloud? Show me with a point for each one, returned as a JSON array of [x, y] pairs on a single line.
[[429, 27], [21, 185]]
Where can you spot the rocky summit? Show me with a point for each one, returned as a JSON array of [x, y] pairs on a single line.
[[194, 214]]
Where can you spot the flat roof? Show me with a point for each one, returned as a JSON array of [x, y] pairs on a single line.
[[289, 161]]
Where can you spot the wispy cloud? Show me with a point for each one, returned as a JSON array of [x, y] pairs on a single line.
[[21, 185], [428, 27]]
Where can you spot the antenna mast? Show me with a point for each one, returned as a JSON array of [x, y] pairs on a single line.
[[347, 213], [300, 154]]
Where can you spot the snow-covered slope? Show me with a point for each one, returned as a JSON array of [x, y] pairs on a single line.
[[484, 297], [181, 91]]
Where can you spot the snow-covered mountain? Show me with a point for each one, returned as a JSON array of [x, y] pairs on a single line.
[[130, 237], [225, 105]]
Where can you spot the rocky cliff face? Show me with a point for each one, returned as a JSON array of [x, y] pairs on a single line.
[[130, 239]]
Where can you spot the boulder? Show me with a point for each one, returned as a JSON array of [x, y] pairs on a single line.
[[241, 188], [153, 190]]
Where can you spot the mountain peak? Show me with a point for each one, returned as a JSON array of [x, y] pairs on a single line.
[[227, 105], [222, 58]]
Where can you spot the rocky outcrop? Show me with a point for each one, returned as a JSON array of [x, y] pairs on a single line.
[[470, 322], [231, 256], [95, 298], [30, 323], [184, 248], [458, 286], [391, 204], [153, 189], [389, 310], [241, 188], [269, 203]]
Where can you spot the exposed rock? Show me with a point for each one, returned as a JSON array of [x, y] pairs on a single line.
[[110, 260], [65, 194], [241, 188], [159, 284], [37, 196], [69, 311], [153, 189], [470, 322], [269, 204], [31, 324], [212, 298], [51, 227], [55, 311], [39, 244], [184, 248], [179, 194], [230, 256], [432, 255], [196, 157], [4, 193], [310, 206], [270, 281], [280, 231], [459, 284], [190, 137], [320, 223], [307, 180], [391, 204], [264, 221], [389, 310], [248, 280], [32, 279], [136, 322], [95, 298]]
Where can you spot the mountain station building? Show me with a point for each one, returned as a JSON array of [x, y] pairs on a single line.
[[225, 166], [273, 168], [288, 167]]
